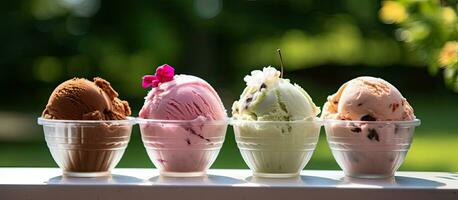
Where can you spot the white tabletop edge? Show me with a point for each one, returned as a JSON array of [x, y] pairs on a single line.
[[229, 178]]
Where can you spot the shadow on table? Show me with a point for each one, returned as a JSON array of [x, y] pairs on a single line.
[[397, 181], [113, 179], [320, 181], [208, 179], [449, 176], [416, 182], [295, 181]]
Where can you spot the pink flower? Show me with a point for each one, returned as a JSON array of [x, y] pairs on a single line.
[[163, 74]]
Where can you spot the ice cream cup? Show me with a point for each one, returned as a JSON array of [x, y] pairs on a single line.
[[276, 149], [87, 148], [369, 149], [182, 148]]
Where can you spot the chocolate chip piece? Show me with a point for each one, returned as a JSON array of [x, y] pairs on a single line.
[[367, 118], [356, 129], [247, 102], [263, 85], [360, 104], [394, 106], [373, 135], [188, 141]]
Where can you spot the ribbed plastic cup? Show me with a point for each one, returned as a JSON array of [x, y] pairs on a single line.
[[370, 149], [87, 148], [276, 149], [182, 148]]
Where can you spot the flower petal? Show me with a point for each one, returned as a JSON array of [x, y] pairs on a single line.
[[155, 83], [147, 80], [165, 73]]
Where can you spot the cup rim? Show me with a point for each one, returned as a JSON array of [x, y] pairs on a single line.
[[44, 121], [414, 122], [314, 120], [141, 120]]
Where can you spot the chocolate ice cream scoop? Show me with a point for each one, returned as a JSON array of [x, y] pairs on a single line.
[[81, 99], [86, 127]]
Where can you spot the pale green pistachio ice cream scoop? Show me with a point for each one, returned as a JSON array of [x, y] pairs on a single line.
[[268, 97], [275, 125]]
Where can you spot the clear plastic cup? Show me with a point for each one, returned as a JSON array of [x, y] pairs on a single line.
[[182, 148], [369, 149], [276, 149], [87, 148]]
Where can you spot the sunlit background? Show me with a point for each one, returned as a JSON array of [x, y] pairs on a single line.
[[412, 44]]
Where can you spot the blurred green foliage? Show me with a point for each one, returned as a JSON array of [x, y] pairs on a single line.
[[430, 28], [53, 40], [324, 43]]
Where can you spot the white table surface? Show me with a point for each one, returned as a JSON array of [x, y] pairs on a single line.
[[47, 183]]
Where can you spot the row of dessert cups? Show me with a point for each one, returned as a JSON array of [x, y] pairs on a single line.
[[187, 148]]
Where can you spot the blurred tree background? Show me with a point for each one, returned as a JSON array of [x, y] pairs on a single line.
[[324, 44]]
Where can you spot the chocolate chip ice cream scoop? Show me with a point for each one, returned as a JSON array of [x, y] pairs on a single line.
[[369, 127], [367, 99]]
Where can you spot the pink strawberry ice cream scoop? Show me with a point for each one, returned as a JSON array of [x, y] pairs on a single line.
[[369, 127], [183, 98], [183, 123]]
